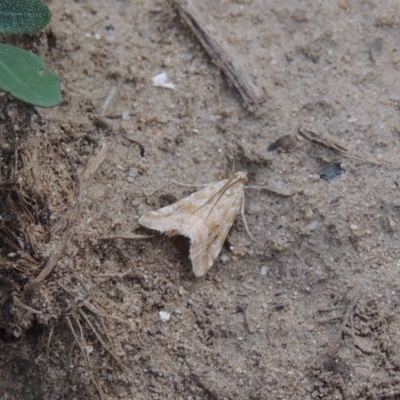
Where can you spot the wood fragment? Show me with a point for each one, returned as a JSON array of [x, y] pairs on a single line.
[[19, 303], [91, 308], [324, 140], [345, 319], [54, 256], [110, 97], [93, 165], [274, 190], [51, 332], [131, 237], [99, 338], [251, 94], [82, 180], [83, 347], [330, 143], [249, 320], [8, 282]]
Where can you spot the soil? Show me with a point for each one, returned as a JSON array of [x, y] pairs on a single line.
[[308, 310]]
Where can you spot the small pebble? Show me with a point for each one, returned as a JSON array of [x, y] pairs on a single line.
[[133, 172], [313, 225], [224, 258], [152, 330], [284, 144], [330, 172], [264, 270], [164, 316]]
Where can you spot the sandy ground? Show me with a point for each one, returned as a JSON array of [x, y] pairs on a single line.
[[307, 311]]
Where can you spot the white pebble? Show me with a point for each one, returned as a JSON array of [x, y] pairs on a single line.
[[162, 81], [264, 270], [164, 316]]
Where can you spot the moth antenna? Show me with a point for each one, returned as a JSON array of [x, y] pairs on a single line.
[[245, 222], [272, 190], [184, 184]]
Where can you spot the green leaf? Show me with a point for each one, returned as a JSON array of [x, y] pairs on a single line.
[[23, 75], [23, 16]]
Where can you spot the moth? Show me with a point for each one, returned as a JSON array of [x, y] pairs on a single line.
[[205, 217]]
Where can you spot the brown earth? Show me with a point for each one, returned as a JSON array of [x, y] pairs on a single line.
[[309, 310]]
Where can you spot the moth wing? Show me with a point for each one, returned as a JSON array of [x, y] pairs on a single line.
[[199, 202], [184, 224], [219, 223], [173, 217], [205, 217]]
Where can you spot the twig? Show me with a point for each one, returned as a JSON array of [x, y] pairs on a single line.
[[330, 143], [324, 140], [9, 283], [19, 303], [48, 343], [91, 308], [85, 355], [93, 165], [274, 191], [345, 319], [85, 317], [251, 95], [132, 237], [54, 257], [82, 181], [110, 98], [106, 332]]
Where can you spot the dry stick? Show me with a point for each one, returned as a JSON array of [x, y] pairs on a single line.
[[85, 356], [110, 98], [92, 309], [330, 143], [93, 165], [84, 345], [251, 95], [89, 363], [82, 179], [85, 317], [19, 303], [54, 257], [132, 237], [103, 325], [324, 140], [48, 343], [274, 191], [346, 317]]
